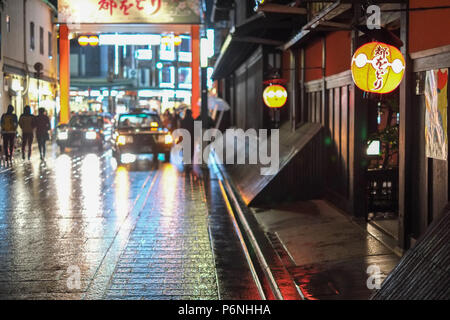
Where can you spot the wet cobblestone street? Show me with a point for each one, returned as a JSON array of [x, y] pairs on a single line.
[[79, 227]]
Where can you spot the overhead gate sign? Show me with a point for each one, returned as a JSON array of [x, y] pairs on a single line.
[[129, 11]]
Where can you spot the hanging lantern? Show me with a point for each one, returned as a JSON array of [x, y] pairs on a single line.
[[177, 40], [275, 96], [83, 41], [378, 67], [93, 41]]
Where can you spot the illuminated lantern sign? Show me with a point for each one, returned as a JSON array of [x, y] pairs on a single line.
[[378, 67], [129, 11], [93, 41], [83, 41], [275, 96]]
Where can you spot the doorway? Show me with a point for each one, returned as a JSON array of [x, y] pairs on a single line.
[[382, 170]]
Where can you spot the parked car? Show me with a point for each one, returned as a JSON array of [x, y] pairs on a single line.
[[137, 133], [85, 130]]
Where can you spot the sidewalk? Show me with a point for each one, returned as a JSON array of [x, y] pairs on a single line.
[[325, 252], [313, 245]]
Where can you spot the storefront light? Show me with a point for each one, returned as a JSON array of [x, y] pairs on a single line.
[[204, 52], [129, 39], [168, 139], [374, 148], [16, 86]]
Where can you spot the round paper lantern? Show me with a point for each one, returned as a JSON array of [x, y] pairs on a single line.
[[93, 41], [177, 40], [83, 41], [378, 67], [275, 96]]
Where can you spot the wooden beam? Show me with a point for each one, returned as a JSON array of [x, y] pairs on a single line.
[[257, 40], [326, 14], [406, 139], [278, 8], [339, 25]]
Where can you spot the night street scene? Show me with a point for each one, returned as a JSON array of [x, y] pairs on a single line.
[[232, 152]]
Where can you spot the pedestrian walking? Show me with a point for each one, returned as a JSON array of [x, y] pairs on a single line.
[[9, 127], [187, 123], [167, 119], [209, 121], [175, 120], [27, 124], [42, 128]]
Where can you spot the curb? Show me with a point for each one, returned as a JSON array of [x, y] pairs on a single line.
[[268, 270]]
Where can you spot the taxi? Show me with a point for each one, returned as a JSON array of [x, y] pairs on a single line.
[[140, 133]]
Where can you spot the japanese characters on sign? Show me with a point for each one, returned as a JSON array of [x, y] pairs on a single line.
[[129, 11]]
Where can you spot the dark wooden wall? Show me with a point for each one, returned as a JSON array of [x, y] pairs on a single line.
[[334, 114], [248, 109]]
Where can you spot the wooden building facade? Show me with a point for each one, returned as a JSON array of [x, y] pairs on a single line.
[[401, 195]]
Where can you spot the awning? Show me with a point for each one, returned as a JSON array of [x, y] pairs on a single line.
[[321, 21], [221, 10], [304, 146], [263, 28], [338, 16]]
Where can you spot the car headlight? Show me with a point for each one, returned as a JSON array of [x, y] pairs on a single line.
[[123, 140], [63, 135], [91, 135], [168, 139]]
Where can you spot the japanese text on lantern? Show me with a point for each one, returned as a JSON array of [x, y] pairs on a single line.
[[125, 6], [381, 65]]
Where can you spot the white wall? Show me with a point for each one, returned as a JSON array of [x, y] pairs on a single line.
[[13, 40]]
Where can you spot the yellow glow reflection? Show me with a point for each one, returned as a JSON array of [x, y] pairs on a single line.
[[91, 184], [122, 188], [168, 187], [63, 168]]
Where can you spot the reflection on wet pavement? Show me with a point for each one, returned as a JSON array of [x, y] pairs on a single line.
[[78, 226]]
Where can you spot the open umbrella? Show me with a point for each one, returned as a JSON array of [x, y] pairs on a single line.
[[217, 104]]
